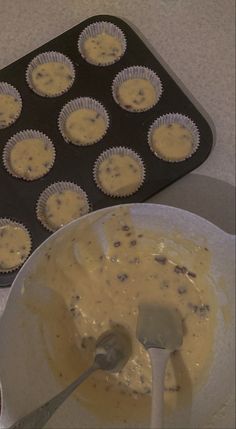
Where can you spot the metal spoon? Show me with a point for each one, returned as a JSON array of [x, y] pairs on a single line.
[[113, 349]]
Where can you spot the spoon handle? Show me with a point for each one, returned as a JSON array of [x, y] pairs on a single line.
[[159, 358], [39, 417]]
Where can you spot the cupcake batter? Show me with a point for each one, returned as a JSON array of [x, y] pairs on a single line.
[[119, 175], [136, 94], [172, 142], [10, 109], [102, 49], [15, 245], [103, 289], [85, 126], [31, 158], [65, 206], [52, 78]]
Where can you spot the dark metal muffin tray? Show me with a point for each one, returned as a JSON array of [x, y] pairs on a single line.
[[18, 198]]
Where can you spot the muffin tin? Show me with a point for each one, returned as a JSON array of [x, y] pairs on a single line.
[[18, 198]]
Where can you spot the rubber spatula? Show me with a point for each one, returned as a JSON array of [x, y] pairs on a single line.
[[160, 330]]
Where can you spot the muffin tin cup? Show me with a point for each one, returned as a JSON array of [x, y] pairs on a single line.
[[7, 89], [48, 57], [22, 135], [51, 190], [118, 151], [97, 28], [77, 104], [9, 222], [178, 118], [137, 72]]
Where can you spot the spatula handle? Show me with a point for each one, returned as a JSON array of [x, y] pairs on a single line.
[[159, 358]]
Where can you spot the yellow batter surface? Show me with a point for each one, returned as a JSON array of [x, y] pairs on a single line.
[[119, 175], [136, 94], [31, 158], [172, 142], [65, 206], [9, 109], [85, 126], [51, 78], [94, 288], [15, 245], [102, 49]]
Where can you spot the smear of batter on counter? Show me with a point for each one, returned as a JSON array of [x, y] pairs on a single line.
[[102, 289]]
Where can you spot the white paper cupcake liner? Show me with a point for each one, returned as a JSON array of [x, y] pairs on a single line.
[[51, 190], [7, 89], [118, 151], [48, 57], [81, 103], [137, 72], [22, 135], [97, 28], [178, 118], [5, 222]]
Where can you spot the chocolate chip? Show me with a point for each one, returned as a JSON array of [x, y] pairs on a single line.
[[122, 277], [127, 106], [173, 388], [182, 290], [180, 270], [164, 284], [191, 274], [160, 259], [133, 243], [202, 309], [125, 228], [117, 244], [141, 92]]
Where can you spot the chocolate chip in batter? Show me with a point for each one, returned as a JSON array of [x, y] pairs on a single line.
[[182, 290], [202, 310], [173, 388], [191, 274], [133, 243], [122, 277], [160, 259], [142, 379], [180, 270], [125, 228]]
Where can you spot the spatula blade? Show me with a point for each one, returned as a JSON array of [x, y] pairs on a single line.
[[159, 327]]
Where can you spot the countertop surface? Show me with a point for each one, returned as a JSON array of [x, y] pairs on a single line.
[[197, 41]]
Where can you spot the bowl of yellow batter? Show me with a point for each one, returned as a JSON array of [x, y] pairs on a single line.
[[91, 275]]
